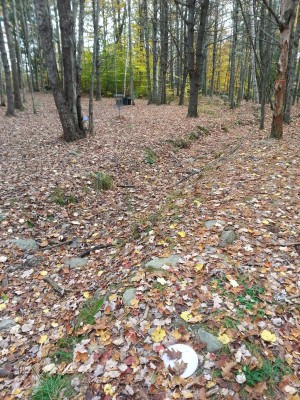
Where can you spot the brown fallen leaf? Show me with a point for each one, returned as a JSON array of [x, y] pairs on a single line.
[[174, 354], [226, 370]]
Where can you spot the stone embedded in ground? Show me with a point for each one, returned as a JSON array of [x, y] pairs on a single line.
[[128, 295], [157, 262], [76, 262], [212, 222], [25, 244], [6, 323], [227, 237], [33, 261], [213, 344]]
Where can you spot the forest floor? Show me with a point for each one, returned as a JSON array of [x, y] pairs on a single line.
[[214, 191]]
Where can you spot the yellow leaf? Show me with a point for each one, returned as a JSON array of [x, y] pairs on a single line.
[[2, 307], [15, 392], [181, 234], [162, 281], [210, 384], [87, 295], [176, 334], [197, 202], [108, 390], [100, 273], [172, 226], [199, 267], [186, 316], [42, 339], [161, 242], [197, 318], [43, 273], [134, 302], [266, 222], [112, 297], [224, 338], [46, 310], [158, 334], [267, 336], [54, 324]]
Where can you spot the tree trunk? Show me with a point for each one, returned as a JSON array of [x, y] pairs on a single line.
[[26, 42], [78, 64], [195, 67], [287, 16], [2, 98], [98, 65], [68, 120], [163, 51], [96, 10], [130, 53], [253, 62], [154, 96], [214, 58], [233, 55], [291, 71], [145, 29], [13, 59], [9, 91]]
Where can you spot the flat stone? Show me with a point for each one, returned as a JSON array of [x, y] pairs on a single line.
[[33, 261], [212, 222], [227, 237], [128, 295], [157, 262], [6, 323], [213, 344], [76, 262], [25, 244]]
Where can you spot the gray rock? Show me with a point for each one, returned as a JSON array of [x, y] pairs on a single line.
[[76, 262], [6, 323], [213, 344], [33, 261], [156, 262], [128, 295], [25, 244], [212, 222], [227, 237]]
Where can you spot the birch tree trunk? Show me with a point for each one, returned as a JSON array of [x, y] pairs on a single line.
[[145, 28], [9, 91], [2, 98], [164, 48], [13, 58], [130, 53]]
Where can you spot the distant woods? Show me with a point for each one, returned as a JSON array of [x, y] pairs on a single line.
[[162, 50]]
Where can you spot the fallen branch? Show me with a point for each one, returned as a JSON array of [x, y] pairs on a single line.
[[285, 244], [57, 244], [126, 186], [295, 296], [55, 286], [98, 247], [198, 171]]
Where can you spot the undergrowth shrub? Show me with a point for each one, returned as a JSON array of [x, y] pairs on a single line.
[[102, 181]]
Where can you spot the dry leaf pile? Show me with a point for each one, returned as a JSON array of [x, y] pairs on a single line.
[[178, 185]]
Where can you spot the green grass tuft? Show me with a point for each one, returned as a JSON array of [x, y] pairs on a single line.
[[270, 372], [53, 388], [150, 156], [102, 181], [88, 310], [60, 197]]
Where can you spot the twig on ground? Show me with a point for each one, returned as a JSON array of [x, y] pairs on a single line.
[[126, 186], [61, 291], [285, 244], [98, 247], [57, 245], [198, 171]]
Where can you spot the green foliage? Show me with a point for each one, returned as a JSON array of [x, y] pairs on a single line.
[[88, 311], [180, 143], [194, 135], [203, 129], [60, 197], [102, 181], [250, 297], [60, 356], [53, 388], [150, 156], [270, 372]]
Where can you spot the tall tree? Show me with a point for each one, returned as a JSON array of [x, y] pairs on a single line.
[[13, 58], [96, 10], [65, 100], [9, 91]]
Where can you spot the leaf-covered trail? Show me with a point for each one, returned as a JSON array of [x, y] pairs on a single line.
[[236, 292]]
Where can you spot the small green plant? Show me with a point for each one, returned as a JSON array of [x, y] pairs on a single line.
[[194, 135], [203, 129], [60, 356], [102, 181], [180, 143], [88, 311], [250, 297], [270, 372], [150, 156], [53, 388], [60, 197]]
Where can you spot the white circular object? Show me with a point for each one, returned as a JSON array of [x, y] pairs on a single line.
[[188, 356]]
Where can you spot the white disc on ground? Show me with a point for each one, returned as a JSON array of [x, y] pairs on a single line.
[[188, 356]]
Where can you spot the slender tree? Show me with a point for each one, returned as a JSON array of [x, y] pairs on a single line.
[[9, 91]]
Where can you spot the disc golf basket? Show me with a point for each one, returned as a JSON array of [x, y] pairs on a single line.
[[119, 102]]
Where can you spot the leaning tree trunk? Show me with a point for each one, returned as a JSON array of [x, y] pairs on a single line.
[[68, 120], [287, 16], [13, 58], [9, 92]]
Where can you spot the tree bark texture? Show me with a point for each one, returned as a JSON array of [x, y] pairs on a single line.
[[68, 120], [9, 91], [287, 16], [13, 58]]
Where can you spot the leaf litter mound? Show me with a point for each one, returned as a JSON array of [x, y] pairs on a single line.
[[82, 314]]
